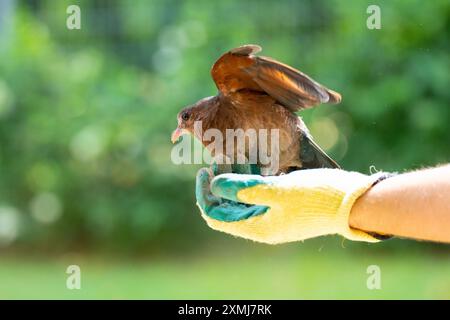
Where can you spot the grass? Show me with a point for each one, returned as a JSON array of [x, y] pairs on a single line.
[[294, 272]]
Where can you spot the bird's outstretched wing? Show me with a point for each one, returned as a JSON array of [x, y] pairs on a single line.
[[239, 69]]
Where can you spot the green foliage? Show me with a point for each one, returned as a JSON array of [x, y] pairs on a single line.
[[86, 116]]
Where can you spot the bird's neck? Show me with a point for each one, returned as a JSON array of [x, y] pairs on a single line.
[[207, 112], [208, 115]]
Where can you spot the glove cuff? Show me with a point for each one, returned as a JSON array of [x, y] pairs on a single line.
[[347, 203]]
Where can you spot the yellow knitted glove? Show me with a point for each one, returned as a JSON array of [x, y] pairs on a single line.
[[296, 206]]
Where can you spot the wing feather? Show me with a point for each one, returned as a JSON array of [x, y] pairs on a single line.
[[240, 69]]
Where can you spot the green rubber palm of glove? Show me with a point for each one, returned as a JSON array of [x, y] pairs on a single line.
[[219, 208], [278, 209]]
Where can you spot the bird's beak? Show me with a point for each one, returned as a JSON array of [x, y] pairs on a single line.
[[177, 133]]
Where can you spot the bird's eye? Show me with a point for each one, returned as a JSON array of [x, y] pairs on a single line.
[[185, 116]]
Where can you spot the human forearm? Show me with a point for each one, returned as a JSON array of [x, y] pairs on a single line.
[[413, 205]]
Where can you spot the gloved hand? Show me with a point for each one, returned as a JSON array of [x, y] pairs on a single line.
[[277, 209]]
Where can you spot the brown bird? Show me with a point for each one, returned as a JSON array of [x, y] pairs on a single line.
[[257, 92]]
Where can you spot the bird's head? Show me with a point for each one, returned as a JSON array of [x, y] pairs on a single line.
[[189, 115]]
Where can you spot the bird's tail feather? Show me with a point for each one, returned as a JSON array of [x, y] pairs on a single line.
[[312, 156], [334, 97]]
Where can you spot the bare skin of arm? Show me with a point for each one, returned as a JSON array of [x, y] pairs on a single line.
[[412, 205]]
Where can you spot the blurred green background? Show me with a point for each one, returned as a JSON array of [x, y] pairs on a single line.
[[85, 122]]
